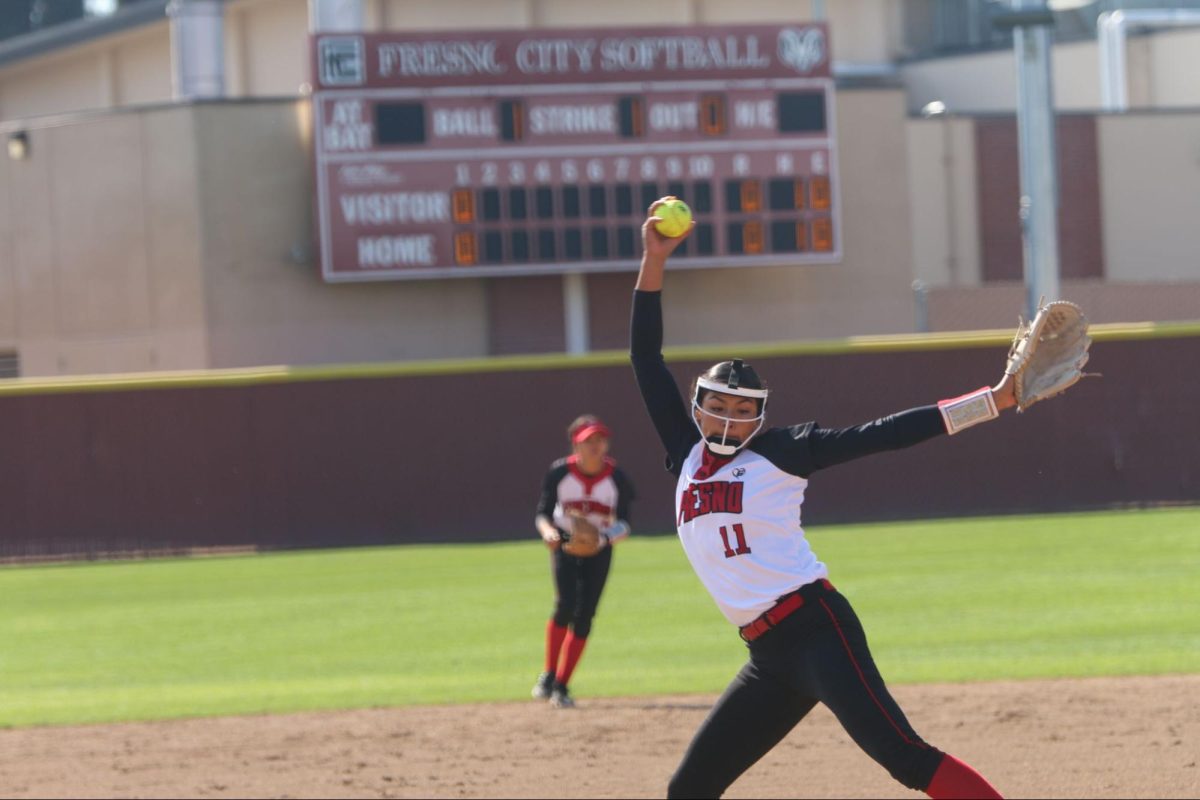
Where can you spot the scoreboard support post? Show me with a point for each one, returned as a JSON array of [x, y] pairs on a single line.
[[575, 312]]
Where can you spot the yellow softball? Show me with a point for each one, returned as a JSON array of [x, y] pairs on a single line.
[[675, 218]]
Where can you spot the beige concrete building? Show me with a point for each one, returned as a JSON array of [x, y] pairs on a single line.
[[142, 233], [1159, 67]]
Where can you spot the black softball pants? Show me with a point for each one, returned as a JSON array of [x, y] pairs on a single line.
[[816, 655], [578, 583]]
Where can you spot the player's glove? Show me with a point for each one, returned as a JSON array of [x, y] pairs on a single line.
[[583, 539], [1048, 354]]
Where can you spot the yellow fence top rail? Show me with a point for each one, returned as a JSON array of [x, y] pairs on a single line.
[[852, 345]]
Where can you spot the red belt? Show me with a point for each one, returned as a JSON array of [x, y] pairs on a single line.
[[778, 613]]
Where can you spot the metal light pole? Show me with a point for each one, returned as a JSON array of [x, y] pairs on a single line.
[[1031, 22], [197, 49], [335, 16]]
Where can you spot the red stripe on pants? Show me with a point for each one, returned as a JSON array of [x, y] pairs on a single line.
[[863, 679]]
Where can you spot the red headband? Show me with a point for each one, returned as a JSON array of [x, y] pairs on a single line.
[[588, 430]]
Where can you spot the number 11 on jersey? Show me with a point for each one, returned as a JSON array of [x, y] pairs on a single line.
[[739, 534]]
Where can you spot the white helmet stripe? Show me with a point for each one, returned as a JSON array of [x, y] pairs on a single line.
[[716, 386]]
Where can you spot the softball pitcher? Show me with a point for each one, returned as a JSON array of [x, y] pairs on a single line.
[[737, 502]]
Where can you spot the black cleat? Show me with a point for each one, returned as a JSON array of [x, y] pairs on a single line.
[[544, 686], [560, 698]]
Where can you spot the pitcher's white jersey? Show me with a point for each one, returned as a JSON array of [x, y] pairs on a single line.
[[739, 517], [741, 530]]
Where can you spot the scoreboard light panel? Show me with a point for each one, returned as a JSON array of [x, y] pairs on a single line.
[[519, 179]]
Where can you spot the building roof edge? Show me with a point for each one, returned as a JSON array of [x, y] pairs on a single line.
[[57, 37]]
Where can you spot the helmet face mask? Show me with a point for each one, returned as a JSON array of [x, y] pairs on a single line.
[[737, 380]]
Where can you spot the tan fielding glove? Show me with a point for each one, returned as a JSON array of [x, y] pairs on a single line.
[[584, 541], [1048, 354]]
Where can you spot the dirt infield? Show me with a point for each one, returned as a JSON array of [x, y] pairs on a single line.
[[1106, 737]]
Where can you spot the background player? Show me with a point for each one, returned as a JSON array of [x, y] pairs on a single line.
[[738, 500], [590, 484]]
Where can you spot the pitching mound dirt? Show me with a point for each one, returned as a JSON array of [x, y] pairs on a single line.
[[1107, 737]]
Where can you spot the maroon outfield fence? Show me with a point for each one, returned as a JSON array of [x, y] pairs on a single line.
[[454, 453]]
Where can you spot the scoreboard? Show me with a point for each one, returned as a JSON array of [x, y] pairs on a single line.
[[490, 153]]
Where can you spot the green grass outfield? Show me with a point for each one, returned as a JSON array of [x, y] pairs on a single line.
[[950, 600]]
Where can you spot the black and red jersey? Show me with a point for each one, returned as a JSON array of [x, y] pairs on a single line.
[[603, 498]]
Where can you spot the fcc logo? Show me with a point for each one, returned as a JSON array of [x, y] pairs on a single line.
[[341, 61]]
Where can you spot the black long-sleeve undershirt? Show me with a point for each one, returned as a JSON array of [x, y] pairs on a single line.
[[799, 449]]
